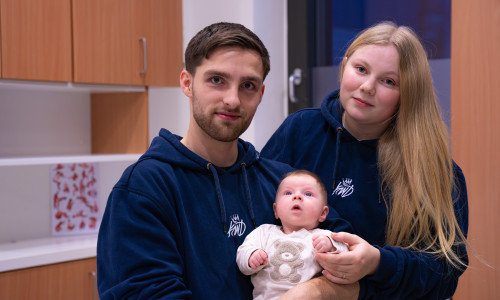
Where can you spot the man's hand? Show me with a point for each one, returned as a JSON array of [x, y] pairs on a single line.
[[320, 288]]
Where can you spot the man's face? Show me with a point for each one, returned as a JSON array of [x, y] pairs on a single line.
[[225, 93]]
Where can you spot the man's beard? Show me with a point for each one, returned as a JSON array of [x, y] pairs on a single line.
[[227, 131]]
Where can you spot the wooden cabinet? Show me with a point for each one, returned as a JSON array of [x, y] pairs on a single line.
[[125, 42], [160, 23], [71, 280], [82, 41], [131, 42], [102, 42], [36, 39], [119, 123], [113, 42]]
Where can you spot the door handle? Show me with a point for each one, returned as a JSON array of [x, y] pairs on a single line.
[[293, 80]]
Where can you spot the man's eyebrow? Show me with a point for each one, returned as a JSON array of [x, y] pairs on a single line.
[[252, 78], [210, 73]]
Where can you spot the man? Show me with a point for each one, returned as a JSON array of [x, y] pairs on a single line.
[[175, 219]]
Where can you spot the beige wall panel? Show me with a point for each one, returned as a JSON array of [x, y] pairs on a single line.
[[475, 127]]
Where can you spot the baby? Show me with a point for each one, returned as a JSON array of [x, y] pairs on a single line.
[[280, 257]]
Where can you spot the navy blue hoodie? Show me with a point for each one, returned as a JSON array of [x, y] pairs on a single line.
[[173, 223], [317, 141]]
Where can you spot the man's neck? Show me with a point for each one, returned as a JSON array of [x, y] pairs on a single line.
[[221, 154]]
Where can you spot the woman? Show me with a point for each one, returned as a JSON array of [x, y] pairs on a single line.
[[381, 143]]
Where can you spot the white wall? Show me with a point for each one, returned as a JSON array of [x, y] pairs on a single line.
[[30, 122], [169, 108], [270, 19]]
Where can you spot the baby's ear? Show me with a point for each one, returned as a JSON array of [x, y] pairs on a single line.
[[324, 213], [275, 211]]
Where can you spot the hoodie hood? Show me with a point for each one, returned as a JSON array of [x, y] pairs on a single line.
[[332, 110], [167, 147]]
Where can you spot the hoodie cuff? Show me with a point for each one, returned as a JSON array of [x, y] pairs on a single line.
[[387, 268], [365, 289]]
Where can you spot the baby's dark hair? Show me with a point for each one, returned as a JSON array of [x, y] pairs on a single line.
[[219, 35], [322, 188]]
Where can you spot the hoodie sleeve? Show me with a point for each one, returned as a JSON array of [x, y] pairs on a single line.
[[137, 254], [403, 274]]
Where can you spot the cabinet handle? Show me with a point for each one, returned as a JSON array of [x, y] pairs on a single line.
[[144, 55], [94, 285]]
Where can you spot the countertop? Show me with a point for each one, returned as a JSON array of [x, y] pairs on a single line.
[[38, 252]]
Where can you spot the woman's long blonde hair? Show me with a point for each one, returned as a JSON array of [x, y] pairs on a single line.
[[414, 156]]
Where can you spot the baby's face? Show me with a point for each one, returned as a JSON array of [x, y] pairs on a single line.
[[299, 203]]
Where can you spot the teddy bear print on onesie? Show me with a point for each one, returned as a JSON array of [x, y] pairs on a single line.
[[286, 260]]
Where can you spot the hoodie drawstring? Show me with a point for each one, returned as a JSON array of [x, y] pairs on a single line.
[[222, 208], [337, 155], [220, 198], [247, 194]]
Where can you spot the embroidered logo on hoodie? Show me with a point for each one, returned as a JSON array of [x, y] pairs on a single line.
[[344, 188], [237, 227]]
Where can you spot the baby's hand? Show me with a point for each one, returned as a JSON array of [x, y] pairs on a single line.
[[322, 243], [257, 258]]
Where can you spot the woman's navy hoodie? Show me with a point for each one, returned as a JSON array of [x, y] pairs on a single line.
[[316, 140], [173, 223]]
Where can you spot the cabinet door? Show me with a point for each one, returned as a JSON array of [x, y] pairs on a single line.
[[102, 44], [72, 280], [159, 22], [119, 123], [133, 42], [36, 39]]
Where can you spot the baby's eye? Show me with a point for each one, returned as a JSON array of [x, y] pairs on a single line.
[[288, 193], [308, 194]]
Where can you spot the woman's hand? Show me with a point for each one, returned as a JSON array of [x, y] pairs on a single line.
[[349, 267]]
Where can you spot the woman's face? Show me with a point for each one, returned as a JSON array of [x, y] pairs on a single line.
[[369, 91]]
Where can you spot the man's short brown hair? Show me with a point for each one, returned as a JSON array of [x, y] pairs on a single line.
[[223, 34]]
